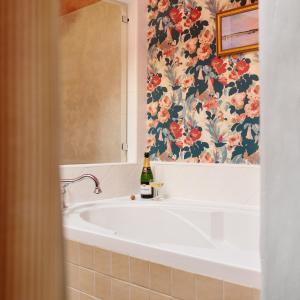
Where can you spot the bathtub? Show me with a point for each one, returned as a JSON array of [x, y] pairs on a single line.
[[215, 240]]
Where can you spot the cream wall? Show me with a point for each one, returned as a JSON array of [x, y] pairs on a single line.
[[93, 80]]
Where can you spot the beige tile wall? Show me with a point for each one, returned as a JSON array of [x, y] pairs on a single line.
[[98, 274]]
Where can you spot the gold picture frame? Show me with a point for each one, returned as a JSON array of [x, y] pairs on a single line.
[[245, 18]]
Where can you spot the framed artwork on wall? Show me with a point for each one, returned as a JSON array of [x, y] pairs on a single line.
[[237, 30]]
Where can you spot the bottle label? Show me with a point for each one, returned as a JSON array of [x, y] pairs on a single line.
[[146, 189]]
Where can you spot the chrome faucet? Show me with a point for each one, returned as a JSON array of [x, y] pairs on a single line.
[[66, 182]]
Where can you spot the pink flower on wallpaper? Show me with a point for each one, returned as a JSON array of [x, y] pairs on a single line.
[[150, 140], [252, 108], [238, 118], [152, 123], [205, 37], [210, 104], [151, 33], [165, 102], [179, 144], [163, 5], [153, 3], [187, 82], [188, 141], [253, 94], [163, 115], [234, 75], [234, 140], [191, 45], [188, 23], [204, 52], [206, 158], [152, 108], [238, 100]]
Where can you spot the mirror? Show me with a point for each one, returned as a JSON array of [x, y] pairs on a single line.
[[93, 52]]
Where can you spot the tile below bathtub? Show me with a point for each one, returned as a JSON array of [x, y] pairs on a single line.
[[72, 276], [183, 285], [236, 292], [138, 293], [73, 294], [102, 261], [86, 297], [209, 288], [86, 281], [102, 287], [120, 266], [157, 296], [256, 294], [160, 278], [72, 252], [139, 272], [86, 256], [120, 290]]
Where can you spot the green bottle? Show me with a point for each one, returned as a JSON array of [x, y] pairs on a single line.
[[146, 178]]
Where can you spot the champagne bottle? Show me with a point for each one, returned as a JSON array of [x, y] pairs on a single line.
[[146, 179]]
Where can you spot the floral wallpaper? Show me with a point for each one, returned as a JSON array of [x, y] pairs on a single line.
[[200, 107]]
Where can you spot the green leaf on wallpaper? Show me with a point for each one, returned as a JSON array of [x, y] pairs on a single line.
[[197, 27], [187, 155], [158, 92], [199, 107], [232, 91], [191, 92], [238, 159], [187, 37], [175, 149], [238, 151]]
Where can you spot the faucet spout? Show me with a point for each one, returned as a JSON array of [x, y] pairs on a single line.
[[66, 182]]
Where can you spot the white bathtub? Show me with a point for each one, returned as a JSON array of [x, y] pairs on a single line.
[[215, 240]]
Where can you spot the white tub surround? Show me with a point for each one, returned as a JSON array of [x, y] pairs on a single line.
[[228, 183], [215, 240]]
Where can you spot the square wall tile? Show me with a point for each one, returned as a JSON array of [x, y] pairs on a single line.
[[158, 296], [183, 285], [209, 288], [256, 294], [102, 287], [72, 272], [72, 252], [139, 272], [236, 292], [120, 266], [86, 256], [160, 278], [120, 290], [102, 261], [86, 281], [73, 294], [137, 293], [86, 297]]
